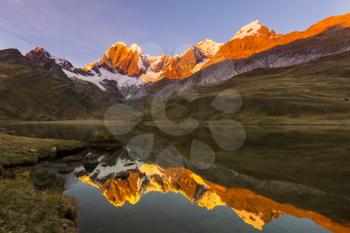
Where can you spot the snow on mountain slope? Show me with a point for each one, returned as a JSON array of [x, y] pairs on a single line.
[[208, 47], [122, 81], [42, 57], [250, 29], [132, 61]]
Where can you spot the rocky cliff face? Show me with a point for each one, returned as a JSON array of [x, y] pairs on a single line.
[[41, 56], [132, 61]]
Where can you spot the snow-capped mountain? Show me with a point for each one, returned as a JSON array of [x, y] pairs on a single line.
[[129, 68], [251, 29], [101, 75], [208, 47], [130, 61], [133, 62]]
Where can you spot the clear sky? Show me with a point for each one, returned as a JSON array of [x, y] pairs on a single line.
[[81, 30]]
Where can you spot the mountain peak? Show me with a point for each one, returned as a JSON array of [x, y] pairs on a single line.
[[128, 59], [39, 55], [120, 44], [40, 49], [249, 30], [208, 47], [135, 47], [207, 42]]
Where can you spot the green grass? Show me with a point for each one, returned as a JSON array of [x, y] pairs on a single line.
[[15, 150], [24, 208], [32, 201]]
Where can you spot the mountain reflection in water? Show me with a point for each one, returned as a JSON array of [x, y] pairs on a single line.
[[127, 181], [304, 166]]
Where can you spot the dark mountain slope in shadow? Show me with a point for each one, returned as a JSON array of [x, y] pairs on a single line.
[[30, 92]]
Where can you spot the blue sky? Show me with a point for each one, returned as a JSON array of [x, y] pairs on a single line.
[[81, 30]]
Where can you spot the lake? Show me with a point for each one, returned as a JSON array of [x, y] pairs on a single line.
[[291, 178]]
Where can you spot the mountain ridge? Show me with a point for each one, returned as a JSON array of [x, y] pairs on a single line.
[[119, 76], [314, 92], [129, 66]]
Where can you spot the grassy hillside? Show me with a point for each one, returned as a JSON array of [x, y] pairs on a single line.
[[314, 93], [29, 92]]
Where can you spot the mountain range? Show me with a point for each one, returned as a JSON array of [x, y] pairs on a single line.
[[130, 66], [126, 72]]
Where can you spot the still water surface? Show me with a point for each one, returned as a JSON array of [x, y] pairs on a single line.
[[283, 179]]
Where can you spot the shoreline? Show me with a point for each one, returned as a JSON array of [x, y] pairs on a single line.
[[33, 197], [150, 123]]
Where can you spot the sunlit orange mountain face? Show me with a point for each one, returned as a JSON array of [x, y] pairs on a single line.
[[252, 39], [127, 181], [255, 45]]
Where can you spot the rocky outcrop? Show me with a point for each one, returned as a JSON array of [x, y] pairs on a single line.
[[40, 56]]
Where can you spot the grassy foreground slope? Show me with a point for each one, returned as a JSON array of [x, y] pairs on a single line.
[[25, 208], [31, 199], [314, 93]]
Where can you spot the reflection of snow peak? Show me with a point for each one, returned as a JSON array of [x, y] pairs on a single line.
[[253, 209], [122, 165]]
